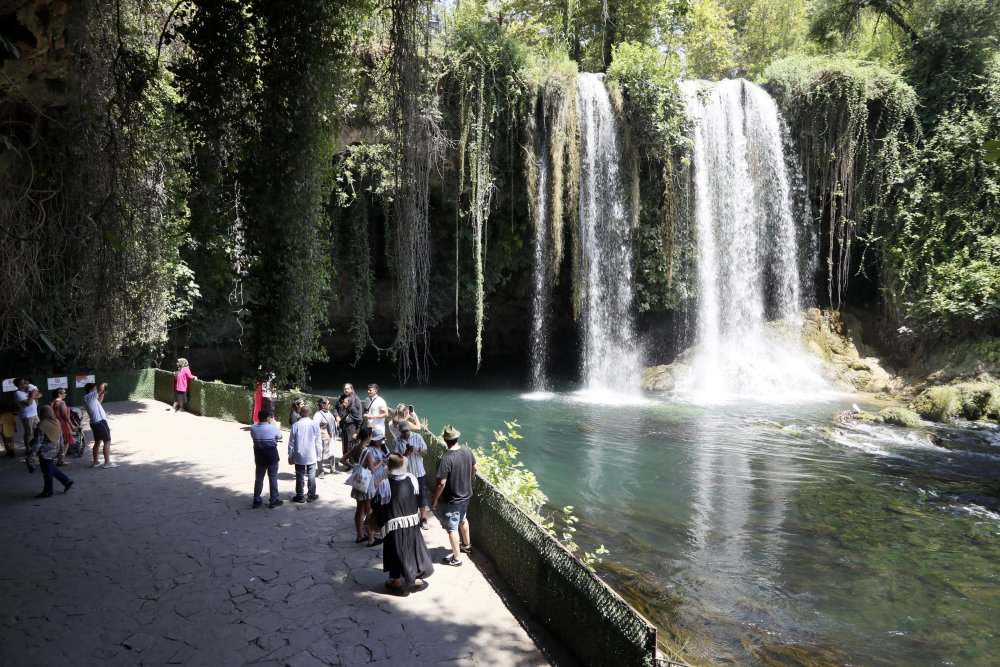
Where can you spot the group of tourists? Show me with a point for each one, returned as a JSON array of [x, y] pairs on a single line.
[[49, 430], [388, 480]]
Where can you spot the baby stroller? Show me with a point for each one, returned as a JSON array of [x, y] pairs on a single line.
[[78, 446]]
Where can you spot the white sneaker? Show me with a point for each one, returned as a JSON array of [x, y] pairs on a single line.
[[96, 464], [109, 465]]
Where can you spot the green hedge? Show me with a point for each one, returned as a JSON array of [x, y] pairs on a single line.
[[122, 385]]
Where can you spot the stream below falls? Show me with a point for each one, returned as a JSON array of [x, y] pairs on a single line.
[[767, 534]]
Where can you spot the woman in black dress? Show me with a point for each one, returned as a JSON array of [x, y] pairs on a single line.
[[404, 552]]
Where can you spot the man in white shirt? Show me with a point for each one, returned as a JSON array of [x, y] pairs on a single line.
[[378, 410], [414, 448], [304, 449], [27, 396], [94, 402]]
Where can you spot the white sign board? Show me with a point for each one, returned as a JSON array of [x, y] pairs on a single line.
[[8, 384], [82, 380], [58, 383]]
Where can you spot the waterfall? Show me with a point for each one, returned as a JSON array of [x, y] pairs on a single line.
[[541, 297], [748, 248], [611, 354]]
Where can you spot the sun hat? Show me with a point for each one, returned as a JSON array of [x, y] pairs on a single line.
[[396, 463], [450, 433]]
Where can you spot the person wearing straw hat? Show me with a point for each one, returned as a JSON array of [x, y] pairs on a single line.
[[404, 552], [456, 471]]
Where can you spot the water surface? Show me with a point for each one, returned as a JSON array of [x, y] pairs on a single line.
[[769, 531]]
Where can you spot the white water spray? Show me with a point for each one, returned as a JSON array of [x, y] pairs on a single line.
[[542, 297], [611, 354], [748, 251]]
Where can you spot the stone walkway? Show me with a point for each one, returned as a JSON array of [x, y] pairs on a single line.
[[163, 561]]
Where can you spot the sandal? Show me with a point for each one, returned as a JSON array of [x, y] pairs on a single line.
[[378, 541]]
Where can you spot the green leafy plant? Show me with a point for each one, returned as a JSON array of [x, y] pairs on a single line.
[[501, 467]]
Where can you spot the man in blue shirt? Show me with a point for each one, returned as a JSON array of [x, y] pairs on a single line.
[[265, 436]]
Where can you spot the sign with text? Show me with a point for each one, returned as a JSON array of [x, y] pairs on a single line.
[[82, 380], [58, 383], [8, 384]]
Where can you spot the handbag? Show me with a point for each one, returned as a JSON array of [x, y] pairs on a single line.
[[361, 477]]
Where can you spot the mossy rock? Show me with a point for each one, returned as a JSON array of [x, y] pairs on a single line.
[[980, 400], [899, 416], [940, 404]]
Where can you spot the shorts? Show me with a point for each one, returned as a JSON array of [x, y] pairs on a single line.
[[180, 397], [101, 430], [454, 515], [424, 499]]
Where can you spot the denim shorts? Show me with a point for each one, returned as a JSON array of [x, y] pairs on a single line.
[[424, 500], [454, 515]]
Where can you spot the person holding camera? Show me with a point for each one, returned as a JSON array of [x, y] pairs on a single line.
[[349, 419], [93, 400], [27, 396]]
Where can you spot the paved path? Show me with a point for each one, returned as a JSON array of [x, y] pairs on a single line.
[[163, 561]]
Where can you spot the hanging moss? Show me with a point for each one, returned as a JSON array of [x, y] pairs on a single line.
[[856, 128], [361, 277], [489, 77], [645, 82]]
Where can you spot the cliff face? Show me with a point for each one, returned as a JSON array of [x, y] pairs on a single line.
[[36, 52]]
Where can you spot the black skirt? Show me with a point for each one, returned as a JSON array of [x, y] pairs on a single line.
[[404, 552]]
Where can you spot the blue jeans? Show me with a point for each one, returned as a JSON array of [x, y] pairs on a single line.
[[272, 480], [300, 472], [49, 470]]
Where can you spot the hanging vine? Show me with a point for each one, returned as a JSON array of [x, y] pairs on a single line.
[[415, 142], [488, 77], [856, 126]]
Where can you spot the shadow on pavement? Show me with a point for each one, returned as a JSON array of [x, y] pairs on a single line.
[[160, 562]]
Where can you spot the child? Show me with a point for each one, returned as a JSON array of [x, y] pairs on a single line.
[[8, 425], [47, 446], [182, 377]]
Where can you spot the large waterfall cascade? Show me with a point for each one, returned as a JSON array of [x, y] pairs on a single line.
[[612, 358], [748, 249]]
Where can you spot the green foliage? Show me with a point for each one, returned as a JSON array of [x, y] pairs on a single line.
[[654, 111], [562, 526], [944, 253], [92, 196], [589, 30], [856, 129], [500, 466], [488, 67], [710, 42]]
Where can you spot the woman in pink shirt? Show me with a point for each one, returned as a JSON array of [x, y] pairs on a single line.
[[182, 377]]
